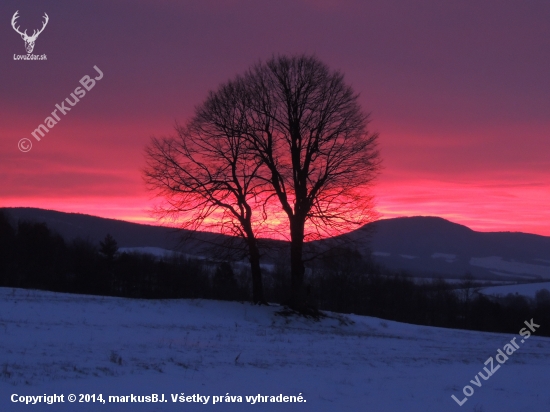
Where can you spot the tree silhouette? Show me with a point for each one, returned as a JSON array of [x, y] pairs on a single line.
[[224, 284], [306, 126], [7, 247], [208, 177], [287, 135], [108, 247]]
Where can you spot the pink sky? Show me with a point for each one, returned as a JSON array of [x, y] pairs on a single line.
[[459, 93]]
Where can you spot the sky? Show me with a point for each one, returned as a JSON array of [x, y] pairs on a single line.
[[458, 91]]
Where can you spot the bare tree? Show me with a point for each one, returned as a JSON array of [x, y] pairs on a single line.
[[207, 175], [288, 135], [308, 130]]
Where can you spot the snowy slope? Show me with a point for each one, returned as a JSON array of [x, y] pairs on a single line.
[[149, 250], [528, 289], [58, 343]]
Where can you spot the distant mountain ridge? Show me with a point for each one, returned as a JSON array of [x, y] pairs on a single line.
[[421, 245], [127, 234], [434, 245]]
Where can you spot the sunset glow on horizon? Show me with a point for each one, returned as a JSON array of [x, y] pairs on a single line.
[[460, 95]]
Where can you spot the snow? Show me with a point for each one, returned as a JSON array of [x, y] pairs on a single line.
[[460, 281], [62, 343], [408, 256], [448, 257], [149, 250], [158, 252], [527, 289], [383, 254], [497, 263]]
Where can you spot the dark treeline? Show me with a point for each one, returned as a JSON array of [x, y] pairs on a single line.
[[344, 282], [32, 256]]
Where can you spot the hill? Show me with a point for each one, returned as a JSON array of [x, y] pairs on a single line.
[[422, 246], [425, 245]]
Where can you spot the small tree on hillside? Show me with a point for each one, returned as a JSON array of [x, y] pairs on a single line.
[[224, 284], [108, 247], [7, 248]]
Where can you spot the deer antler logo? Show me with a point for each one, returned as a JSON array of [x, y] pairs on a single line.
[[29, 40]]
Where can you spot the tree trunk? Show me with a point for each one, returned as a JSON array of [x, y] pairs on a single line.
[[255, 269], [297, 299], [257, 283]]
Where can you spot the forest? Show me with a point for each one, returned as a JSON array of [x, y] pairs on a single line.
[[34, 257]]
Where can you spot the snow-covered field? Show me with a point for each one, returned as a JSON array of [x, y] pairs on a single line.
[[70, 344], [527, 289], [149, 250], [507, 268]]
